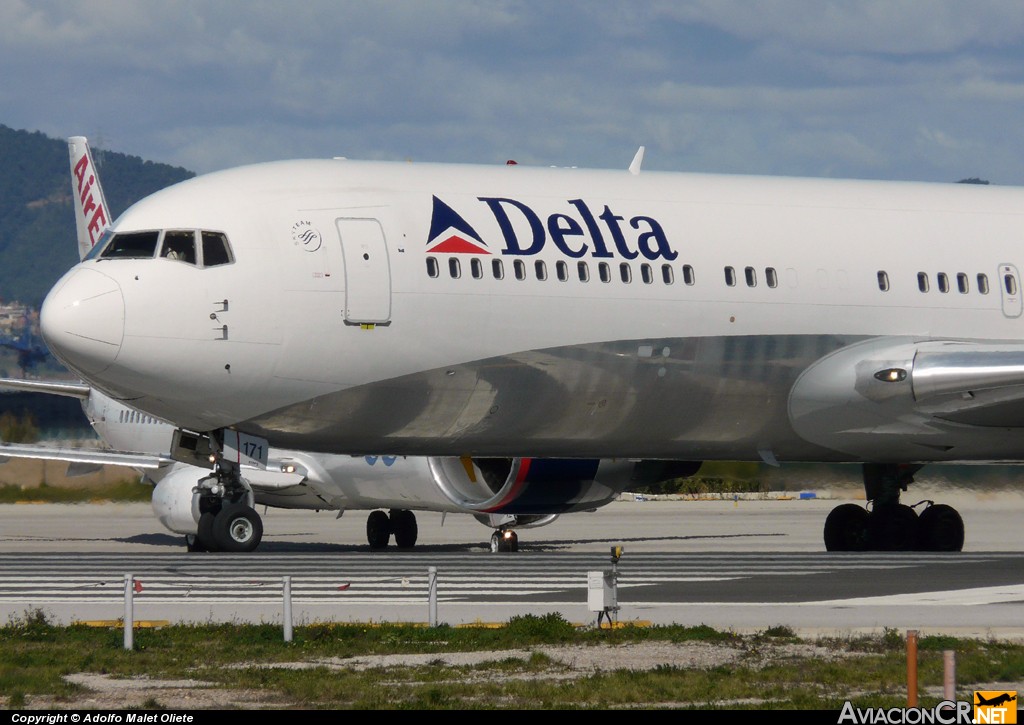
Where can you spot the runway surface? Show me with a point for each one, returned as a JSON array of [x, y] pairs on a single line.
[[743, 566]]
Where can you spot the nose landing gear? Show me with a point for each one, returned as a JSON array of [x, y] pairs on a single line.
[[504, 540]]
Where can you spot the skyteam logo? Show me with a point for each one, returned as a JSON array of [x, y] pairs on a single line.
[[451, 234], [575, 230]]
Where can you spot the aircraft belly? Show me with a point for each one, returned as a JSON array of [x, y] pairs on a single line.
[[694, 398], [293, 497]]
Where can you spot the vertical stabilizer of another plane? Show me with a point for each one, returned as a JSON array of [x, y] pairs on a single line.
[[92, 215]]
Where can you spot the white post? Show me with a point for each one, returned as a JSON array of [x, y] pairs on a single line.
[[949, 678], [432, 590], [129, 611], [287, 609]]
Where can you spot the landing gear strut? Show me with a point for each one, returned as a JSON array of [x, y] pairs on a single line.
[[227, 520], [504, 540], [891, 525]]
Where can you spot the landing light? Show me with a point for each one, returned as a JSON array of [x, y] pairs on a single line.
[[892, 375]]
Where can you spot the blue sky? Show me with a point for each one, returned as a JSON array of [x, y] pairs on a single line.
[[921, 89]]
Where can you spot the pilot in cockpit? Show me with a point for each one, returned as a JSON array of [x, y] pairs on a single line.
[[180, 246]]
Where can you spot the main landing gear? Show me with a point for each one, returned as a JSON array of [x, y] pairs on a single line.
[[227, 520], [401, 522], [891, 525]]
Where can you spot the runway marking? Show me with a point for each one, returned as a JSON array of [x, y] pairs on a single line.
[[966, 597], [401, 580]]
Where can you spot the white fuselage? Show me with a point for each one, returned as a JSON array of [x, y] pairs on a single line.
[[376, 308], [306, 480]]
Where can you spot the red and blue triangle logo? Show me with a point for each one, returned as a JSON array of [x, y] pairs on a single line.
[[451, 234]]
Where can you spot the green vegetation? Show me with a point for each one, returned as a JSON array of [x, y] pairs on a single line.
[[252, 663], [713, 477], [37, 233], [18, 429]]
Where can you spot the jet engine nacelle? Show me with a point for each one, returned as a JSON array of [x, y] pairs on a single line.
[[544, 486], [501, 521], [174, 502]]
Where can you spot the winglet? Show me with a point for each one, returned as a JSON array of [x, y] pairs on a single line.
[[92, 215], [634, 168]]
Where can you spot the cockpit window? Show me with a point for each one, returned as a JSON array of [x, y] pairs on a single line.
[[180, 246], [215, 249], [131, 245], [100, 244]]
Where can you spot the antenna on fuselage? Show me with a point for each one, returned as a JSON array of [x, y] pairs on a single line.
[[634, 168]]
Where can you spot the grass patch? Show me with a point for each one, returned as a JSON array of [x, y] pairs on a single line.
[[869, 672]]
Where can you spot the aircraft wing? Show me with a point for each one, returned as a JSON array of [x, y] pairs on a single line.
[[69, 389], [973, 384], [82, 456]]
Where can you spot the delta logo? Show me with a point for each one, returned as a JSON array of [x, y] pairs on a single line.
[[451, 234], [995, 706], [576, 231]]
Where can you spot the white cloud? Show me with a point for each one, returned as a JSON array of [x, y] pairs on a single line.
[[832, 88], [865, 26]]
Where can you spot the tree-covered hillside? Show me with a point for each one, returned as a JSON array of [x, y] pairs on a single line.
[[37, 219]]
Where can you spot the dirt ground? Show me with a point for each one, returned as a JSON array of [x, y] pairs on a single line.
[[101, 692]]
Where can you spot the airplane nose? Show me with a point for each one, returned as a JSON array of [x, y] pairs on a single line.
[[82, 320]]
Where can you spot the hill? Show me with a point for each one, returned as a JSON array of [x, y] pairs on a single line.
[[37, 220]]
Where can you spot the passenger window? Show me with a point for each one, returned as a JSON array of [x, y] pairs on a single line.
[[751, 276], [883, 280], [983, 283], [497, 269], [540, 269], [1010, 284], [688, 276], [432, 270], [476, 268], [519, 267], [216, 250], [770, 277], [666, 274], [961, 283], [562, 270], [583, 271], [454, 268], [131, 245], [646, 273], [604, 272], [943, 282], [922, 281], [180, 246], [625, 272], [730, 276]]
